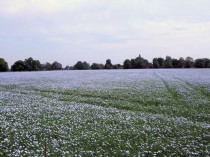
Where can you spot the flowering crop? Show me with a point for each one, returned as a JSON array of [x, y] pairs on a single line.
[[105, 113]]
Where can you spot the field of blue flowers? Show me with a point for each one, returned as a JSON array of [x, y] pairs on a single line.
[[105, 113]]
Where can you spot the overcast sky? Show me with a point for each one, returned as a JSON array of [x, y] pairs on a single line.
[[94, 30]]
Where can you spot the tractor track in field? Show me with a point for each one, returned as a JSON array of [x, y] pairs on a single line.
[[173, 92], [199, 89]]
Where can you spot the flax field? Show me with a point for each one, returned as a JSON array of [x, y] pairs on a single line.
[[134, 113]]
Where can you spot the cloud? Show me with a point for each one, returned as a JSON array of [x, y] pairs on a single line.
[[19, 7], [104, 26]]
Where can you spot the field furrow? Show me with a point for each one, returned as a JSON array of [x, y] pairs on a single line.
[[108, 113]]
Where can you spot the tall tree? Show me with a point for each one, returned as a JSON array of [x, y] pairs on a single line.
[[175, 63], [127, 64], [47, 66], [96, 66], [207, 62], [189, 62], [133, 63], [56, 66], [79, 66], [182, 62], [86, 65], [108, 64], [168, 62], [161, 62], [19, 66], [200, 63], [33, 65], [3, 65], [155, 63]]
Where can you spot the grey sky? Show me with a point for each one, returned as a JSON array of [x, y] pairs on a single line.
[[95, 30]]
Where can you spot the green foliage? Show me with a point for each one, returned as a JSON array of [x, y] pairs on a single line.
[[137, 63], [155, 63], [3, 65], [175, 63], [189, 62], [161, 62], [82, 65], [127, 64], [56, 66], [168, 62], [18, 66], [108, 64], [200, 63], [96, 66], [47, 66], [28, 65], [86, 65], [182, 62]]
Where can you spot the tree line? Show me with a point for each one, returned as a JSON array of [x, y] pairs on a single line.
[[139, 62]]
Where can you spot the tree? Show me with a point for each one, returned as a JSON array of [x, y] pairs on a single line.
[[19, 66], [161, 62], [168, 62], [67, 68], [3, 65], [47, 66], [82, 65], [32, 65], [108, 64], [182, 62], [199, 63], [141, 63], [133, 63], [127, 64], [86, 65], [207, 62], [96, 66], [175, 63], [137, 63], [79, 66], [117, 66], [189, 62], [56, 66], [155, 63]]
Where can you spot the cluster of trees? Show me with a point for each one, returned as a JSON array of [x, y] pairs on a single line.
[[137, 63], [189, 62], [34, 65], [85, 66]]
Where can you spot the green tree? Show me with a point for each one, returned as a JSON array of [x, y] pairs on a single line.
[[161, 62], [127, 64], [155, 63], [47, 66], [200, 63], [168, 62], [207, 62], [3, 65], [96, 66], [33, 65], [108, 64], [189, 62], [117, 66], [133, 63], [86, 65], [56, 66], [79, 65], [175, 63], [182, 62], [19, 66]]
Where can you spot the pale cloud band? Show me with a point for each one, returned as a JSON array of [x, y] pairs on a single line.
[[117, 29]]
